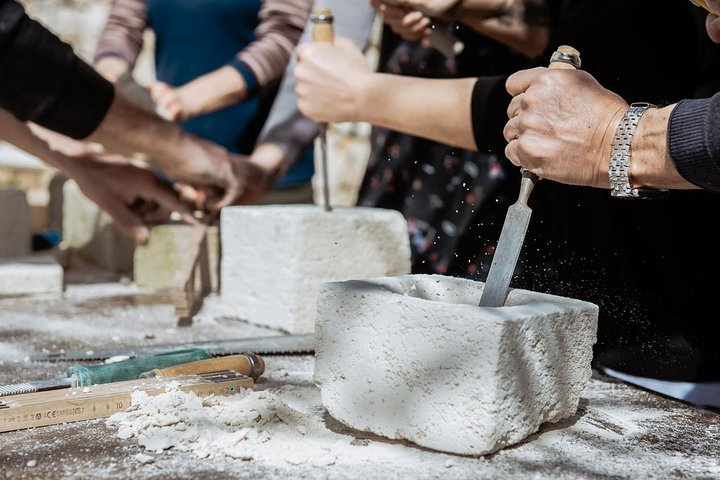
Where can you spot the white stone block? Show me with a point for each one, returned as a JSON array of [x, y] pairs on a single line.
[[30, 276], [274, 257], [15, 230], [414, 357], [90, 236]]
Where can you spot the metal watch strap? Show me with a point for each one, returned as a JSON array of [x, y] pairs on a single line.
[[621, 153]]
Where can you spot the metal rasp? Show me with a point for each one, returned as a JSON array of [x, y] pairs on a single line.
[[86, 375], [518, 216], [270, 345], [322, 32]]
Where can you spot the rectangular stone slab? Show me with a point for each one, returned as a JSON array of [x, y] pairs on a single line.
[[275, 257], [15, 228], [414, 357], [39, 274]]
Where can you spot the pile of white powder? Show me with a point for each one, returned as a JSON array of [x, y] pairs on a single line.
[[273, 426]]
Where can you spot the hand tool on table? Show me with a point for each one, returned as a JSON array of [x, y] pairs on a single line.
[[268, 345], [248, 364], [516, 223], [704, 4], [86, 375], [322, 32], [99, 401]]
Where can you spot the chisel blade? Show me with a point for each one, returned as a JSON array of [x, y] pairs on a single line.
[[509, 246]]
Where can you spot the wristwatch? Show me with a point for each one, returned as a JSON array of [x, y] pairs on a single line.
[[621, 154]]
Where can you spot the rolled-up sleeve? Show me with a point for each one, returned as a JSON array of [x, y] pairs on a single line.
[[43, 81], [281, 25], [694, 141]]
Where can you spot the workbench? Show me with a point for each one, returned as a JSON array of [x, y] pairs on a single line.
[[618, 432]]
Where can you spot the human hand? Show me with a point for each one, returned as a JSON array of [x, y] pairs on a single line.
[[562, 124], [411, 25], [712, 23], [256, 179], [169, 101], [128, 190], [330, 80]]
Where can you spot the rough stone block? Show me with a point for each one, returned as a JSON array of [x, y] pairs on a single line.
[[276, 256], [31, 275], [157, 262], [90, 234], [415, 358], [15, 230]]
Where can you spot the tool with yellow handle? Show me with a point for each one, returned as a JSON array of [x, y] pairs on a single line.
[[323, 32], [247, 364], [517, 220], [704, 4]]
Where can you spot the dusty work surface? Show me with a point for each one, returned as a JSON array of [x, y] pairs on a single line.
[[618, 431]]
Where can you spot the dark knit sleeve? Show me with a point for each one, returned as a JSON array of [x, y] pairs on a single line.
[[43, 81], [490, 101], [694, 141]]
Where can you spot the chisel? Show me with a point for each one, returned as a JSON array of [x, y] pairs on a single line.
[[248, 364], [322, 32], [516, 223], [86, 375]]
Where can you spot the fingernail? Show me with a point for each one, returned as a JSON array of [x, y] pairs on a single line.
[[142, 235]]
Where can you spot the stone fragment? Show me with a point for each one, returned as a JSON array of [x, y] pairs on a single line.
[[90, 236], [15, 230], [415, 358], [31, 275], [274, 257]]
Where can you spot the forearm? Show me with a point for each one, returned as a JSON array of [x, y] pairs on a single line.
[[435, 109], [129, 129], [523, 25], [650, 163], [111, 67], [213, 91], [29, 139]]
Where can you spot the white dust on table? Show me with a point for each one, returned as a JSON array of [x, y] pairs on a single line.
[[279, 426], [286, 425]]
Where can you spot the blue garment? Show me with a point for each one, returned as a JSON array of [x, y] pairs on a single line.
[[195, 37]]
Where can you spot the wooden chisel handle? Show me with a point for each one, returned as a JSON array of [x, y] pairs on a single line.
[[322, 26], [248, 364]]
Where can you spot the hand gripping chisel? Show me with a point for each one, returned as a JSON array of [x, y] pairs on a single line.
[[518, 215]]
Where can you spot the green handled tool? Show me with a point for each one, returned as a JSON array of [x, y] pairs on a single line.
[[86, 375]]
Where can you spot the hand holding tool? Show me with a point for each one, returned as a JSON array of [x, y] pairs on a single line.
[[322, 31], [86, 375], [517, 220], [247, 364]]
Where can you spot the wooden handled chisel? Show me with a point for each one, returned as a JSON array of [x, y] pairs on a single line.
[[248, 364], [322, 32], [517, 220]]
